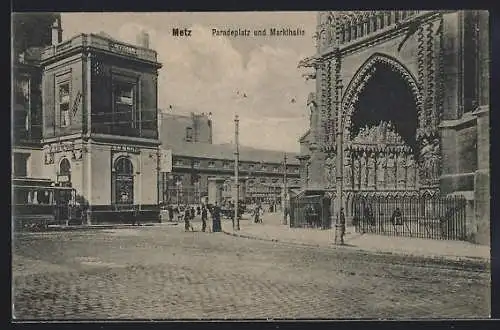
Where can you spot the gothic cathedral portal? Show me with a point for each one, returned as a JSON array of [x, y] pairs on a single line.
[[398, 105]]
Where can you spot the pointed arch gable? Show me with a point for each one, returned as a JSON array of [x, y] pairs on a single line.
[[362, 76]]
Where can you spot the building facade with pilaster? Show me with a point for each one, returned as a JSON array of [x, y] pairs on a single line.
[[99, 127]]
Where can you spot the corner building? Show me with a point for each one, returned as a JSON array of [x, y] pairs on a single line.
[[100, 131], [401, 106]]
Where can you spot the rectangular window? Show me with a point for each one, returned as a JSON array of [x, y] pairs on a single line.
[[189, 134], [262, 180], [276, 169], [125, 115], [470, 61], [179, 162], [64, 99], [20, 165], [226, 164], [211, 163], [196, 163]]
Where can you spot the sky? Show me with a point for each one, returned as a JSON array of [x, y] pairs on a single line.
[[207, 73]]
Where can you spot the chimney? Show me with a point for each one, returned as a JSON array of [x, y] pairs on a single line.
[[143, 39], [56, 31]]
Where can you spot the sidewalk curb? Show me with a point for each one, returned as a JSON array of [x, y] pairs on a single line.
[[466, 261], [102, 227]]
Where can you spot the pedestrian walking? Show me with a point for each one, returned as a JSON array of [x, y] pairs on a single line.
[[187, 216], [204, 217], [342, 225], [170, 211], [198, 210]]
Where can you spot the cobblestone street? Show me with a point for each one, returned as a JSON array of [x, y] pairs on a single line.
[[163, 272]]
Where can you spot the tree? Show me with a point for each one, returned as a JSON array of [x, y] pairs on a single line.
[[32, 30]]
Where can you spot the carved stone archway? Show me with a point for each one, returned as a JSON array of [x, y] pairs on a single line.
[[383, 150], [363, 75]]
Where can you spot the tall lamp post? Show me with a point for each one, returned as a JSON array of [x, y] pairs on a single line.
[[236, 170], [285, 191], [339, 226]]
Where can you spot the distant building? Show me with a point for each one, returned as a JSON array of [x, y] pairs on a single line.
[[27, 120], [194, 163]]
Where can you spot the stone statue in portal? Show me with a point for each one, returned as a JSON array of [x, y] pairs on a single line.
[[426, 159], [371, 167], [363, 168], [434, 159], [356, 172], [401, 169], [390, 175], [313, 114], [381, 164], [410, 171]]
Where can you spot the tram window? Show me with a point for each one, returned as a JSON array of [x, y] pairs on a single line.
[[43, 197], [21, 196]]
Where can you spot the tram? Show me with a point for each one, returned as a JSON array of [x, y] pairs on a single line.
[[38, 203]]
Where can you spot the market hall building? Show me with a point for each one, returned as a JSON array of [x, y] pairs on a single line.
[[99, 129], [401, 107]]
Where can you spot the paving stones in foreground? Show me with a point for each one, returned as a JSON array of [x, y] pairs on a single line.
[[166, 273]]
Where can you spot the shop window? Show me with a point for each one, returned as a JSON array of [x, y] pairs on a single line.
[[64, 99], [123, 181]]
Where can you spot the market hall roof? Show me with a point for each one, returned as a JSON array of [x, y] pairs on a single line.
[[226, 152]]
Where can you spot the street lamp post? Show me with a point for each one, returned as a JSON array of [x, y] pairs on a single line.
[[285, 191], [236, 170], [339, 225]]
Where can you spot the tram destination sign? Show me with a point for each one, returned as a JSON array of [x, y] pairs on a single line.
[[125, 148]]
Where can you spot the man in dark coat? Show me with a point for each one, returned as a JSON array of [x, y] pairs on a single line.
[[216, 222]]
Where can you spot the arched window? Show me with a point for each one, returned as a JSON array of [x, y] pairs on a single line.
[[65, 167], [123, 181]]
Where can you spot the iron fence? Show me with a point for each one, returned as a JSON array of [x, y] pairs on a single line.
[[310, 212], [434, 217]]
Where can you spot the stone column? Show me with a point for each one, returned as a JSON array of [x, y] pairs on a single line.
[[316, 169], [482, 175]]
